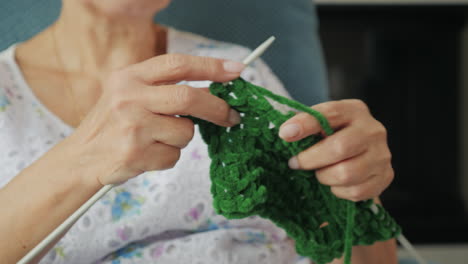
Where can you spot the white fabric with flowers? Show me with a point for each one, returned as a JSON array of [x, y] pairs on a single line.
[[157, 217]]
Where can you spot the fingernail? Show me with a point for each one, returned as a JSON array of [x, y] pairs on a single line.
[[293, 163], [234, 117], [233, 66], [289, 131]]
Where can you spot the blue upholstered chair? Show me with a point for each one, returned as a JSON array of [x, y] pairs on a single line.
[[295, 57]]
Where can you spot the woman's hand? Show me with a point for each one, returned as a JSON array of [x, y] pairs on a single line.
[[355, 161], [133, 127]]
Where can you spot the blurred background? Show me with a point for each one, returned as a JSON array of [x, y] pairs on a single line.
[[407, 63], [408, 60]]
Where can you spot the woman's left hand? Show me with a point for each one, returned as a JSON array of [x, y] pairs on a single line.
[[355, 161]]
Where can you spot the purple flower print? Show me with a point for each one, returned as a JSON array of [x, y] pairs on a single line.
[[196, 155], [157, 251], [124, 233]]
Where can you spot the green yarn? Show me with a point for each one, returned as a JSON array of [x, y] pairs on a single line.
[[250, 176]]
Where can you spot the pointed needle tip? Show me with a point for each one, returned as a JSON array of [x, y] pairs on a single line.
[[259, 50]]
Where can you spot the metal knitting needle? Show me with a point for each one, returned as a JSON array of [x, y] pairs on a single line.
[[85, 207]]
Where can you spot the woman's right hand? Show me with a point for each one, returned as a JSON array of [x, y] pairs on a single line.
[[133, 127]]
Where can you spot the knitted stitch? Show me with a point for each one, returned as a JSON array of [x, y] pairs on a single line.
[[250, 176]]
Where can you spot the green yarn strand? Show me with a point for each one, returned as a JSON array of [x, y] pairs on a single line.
[[298, 106], [351, 211], [250, 176]]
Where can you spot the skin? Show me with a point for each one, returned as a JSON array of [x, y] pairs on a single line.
[[127, 93], [355, 161]]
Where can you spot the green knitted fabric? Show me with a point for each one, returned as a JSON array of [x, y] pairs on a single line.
[[250, 176]]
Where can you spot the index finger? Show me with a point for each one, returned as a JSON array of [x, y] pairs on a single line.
[[343, 145], [186, 100], [338, 113], [172, 68]]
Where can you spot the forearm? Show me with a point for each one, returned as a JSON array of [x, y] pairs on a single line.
[[37, 200], [380, 252]]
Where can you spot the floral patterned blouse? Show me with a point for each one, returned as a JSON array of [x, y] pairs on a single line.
[[159, 216]]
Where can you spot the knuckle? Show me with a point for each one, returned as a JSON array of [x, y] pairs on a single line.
[[338, 192], [120, 103], [155, 161], [117, 80], [184, 129], [177, 154], [130, 151], [379, 130], [120, 99], [339, 147], [304, 121], [177, 63], [209, 65], [302, 161], [344, 174], [387, 156], [173, 156], [391, 175], [113, 79], [132, 130], [356, 194], [183, 97], [358, 104], [331, 109], [189, 129], [223, 109], [321, 174]]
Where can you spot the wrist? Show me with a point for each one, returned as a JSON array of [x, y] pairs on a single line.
[[80, 170]]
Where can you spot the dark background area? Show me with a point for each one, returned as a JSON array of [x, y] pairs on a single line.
[[404, 62]]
